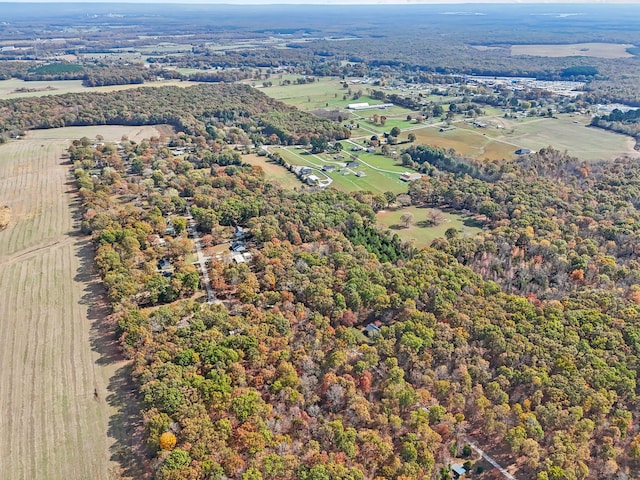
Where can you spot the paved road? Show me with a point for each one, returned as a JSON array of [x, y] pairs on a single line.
[[211, 296]]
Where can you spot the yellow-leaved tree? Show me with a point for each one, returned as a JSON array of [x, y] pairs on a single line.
[[167, 441]]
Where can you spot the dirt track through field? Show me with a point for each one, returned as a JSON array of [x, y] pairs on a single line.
[[61, 380]]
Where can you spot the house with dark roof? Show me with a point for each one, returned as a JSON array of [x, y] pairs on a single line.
[[238, 246]]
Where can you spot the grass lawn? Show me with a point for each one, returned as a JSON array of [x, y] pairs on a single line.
[[420, 233], [380, 174], [474, 143], [274, 172], [308, 96]]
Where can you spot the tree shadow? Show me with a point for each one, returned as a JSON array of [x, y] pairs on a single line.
[[424, 224], [126, 425], [128, 449]]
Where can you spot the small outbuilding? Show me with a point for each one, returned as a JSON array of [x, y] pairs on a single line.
[[409, 177], [523, 151]]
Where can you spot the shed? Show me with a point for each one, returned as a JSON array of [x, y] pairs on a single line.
[[523, 151]]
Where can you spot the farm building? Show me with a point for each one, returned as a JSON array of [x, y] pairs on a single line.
[[357, 106], [364, 106], [312, 180], [352, 164], [305, 170], [523, 151], [328, 168], [409, 177]]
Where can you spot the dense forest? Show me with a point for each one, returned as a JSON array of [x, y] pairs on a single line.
[[201, 109], [533, 345]]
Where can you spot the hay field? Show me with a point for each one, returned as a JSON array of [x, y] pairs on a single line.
[[467, 142], [599, 50], [580, 140], [58, 87], [62, 389]]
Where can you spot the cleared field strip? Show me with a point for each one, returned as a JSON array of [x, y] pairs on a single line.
[[57, 401]]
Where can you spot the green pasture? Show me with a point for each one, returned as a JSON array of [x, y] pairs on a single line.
[[571, 133], [420, 233], [380, 174]]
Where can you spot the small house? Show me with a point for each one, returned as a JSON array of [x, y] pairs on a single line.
[[371, 149], [239, 232], [457, 470], [371, 329], [352, 164], [312, 180], [328, 168], [238, 258], [238, 246], [305, 170], [360, 174], [164, 263]]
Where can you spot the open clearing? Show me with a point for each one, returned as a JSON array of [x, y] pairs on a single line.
[[567, 132], [600, 50], [273, 172], [375, 177], [62, 388], [9, 88], [420, 233]]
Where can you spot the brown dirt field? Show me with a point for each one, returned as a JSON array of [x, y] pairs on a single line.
[[66, 404]]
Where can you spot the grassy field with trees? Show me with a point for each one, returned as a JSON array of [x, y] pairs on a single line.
[[420, 226]]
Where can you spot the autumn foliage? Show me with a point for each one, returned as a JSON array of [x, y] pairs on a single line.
[[167, 441]]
